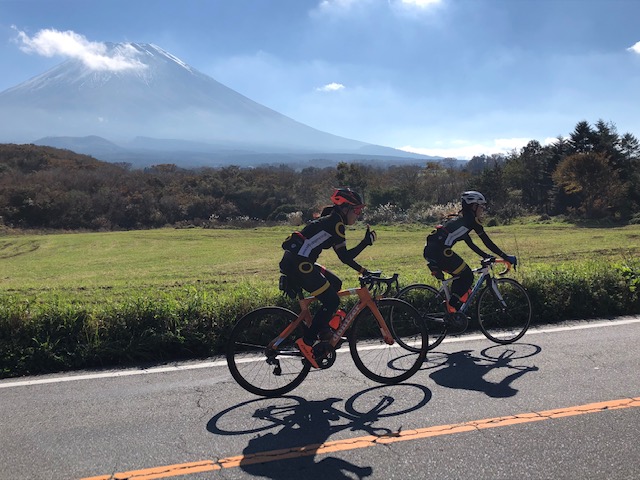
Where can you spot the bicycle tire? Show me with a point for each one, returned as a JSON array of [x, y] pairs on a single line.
[[376, 359], [249, 361], [430, 304], [502, 324]]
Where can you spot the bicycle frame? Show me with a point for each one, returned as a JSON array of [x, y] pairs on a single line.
[[485, 276], [364, 300], [387, 341]]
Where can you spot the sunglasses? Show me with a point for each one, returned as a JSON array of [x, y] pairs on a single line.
[[357, 210]]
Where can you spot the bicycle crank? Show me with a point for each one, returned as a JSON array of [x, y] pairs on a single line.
[[457, 322], [325, 355]]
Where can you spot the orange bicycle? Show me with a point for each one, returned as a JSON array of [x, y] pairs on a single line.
[[263, 358]]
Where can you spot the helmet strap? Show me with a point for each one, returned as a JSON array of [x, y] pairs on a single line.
[[344, 211]]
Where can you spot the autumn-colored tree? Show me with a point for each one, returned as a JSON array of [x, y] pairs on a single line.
[[589, 177]]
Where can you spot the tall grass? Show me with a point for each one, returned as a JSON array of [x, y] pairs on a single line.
[[70, 301]]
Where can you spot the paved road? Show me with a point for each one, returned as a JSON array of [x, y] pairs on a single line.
[[563, 403]]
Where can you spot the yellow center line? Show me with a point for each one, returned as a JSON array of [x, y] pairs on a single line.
[[364, 442]]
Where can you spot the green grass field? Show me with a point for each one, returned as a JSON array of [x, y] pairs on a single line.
[[93, 267], [70, 300]]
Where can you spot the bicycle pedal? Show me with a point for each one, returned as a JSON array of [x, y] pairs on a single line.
[[325, 354], [322, 349], [457, 321]]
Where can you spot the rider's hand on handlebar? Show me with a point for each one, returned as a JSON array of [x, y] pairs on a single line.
[[511, 259]]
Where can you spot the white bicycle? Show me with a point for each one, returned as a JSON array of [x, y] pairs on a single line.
[[503, 309]]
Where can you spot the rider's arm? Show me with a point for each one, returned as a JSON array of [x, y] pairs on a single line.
[[369, 237], [474, 247], [490, 245], [347, 256], [357, 250]]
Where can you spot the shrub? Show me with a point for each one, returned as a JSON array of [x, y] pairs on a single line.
[[429, 214], [387, 214]]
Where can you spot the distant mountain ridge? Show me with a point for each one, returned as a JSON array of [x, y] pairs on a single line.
[[144, 151], [164, 105]]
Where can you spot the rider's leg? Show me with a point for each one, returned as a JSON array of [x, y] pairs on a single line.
[[325, 333], [457, 267], [330, 301], [319, 282], [460, 287]]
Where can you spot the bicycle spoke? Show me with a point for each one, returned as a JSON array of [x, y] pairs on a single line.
[[257, 368], [430, 304], [250, 345], [377, 359], [504, 318]]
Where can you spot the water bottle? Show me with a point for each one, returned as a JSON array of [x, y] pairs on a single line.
[[337, 319]]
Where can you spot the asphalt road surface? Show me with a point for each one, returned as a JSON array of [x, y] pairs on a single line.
[[563, 403]]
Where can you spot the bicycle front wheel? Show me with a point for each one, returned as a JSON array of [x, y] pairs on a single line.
[[504, 311], [430, 304], [261, 370], [380, 361]]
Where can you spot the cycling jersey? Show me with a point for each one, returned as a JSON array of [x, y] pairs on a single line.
[[440, 256], [321, 234], [458, 228], [302, 250]]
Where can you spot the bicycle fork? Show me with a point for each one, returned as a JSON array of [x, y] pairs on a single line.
[[496, 292]]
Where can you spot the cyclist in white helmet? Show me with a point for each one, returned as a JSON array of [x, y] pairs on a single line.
[[441, 258]]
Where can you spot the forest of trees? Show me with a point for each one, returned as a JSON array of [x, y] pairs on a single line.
[[592, 174]]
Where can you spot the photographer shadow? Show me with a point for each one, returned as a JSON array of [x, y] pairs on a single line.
[[297, 431], [462, 370]]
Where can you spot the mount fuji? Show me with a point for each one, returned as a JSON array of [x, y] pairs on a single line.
[[161, 109]]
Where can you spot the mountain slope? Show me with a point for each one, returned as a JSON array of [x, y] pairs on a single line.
[[163, 98]]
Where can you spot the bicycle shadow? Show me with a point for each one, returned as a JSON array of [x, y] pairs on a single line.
[[462, 370], [297, 430]]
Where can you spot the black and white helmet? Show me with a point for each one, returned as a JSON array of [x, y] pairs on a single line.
[[470, 197]]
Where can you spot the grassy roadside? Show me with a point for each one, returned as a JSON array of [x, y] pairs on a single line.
[[76, 300]]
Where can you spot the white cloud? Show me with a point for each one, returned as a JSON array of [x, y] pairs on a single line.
[[635, 48], [95, 55], [465, 150], [331, 87], [420, 3], [326, 5]]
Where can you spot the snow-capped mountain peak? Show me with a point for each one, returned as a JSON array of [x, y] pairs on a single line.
[[156, 49], [140, 90]]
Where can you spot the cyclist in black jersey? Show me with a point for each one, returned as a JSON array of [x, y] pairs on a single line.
[[302, 250], [441, 258]]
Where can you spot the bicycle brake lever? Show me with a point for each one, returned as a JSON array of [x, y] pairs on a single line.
[[506, 269]]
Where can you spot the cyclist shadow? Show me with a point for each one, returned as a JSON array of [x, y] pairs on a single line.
[[303, 427], [463, 370]]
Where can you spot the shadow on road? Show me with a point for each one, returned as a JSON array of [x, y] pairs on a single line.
[[293, 429], [463, 370]]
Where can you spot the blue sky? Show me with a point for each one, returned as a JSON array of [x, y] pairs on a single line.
[[440, 77]]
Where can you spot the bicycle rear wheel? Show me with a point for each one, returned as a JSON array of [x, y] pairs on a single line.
[[508, 322], [430, 304], [257, 368], [380, 361]]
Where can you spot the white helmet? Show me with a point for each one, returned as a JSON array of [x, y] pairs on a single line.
[[471, 197]]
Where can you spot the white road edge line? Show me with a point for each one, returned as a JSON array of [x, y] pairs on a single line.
[[220, 363]]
